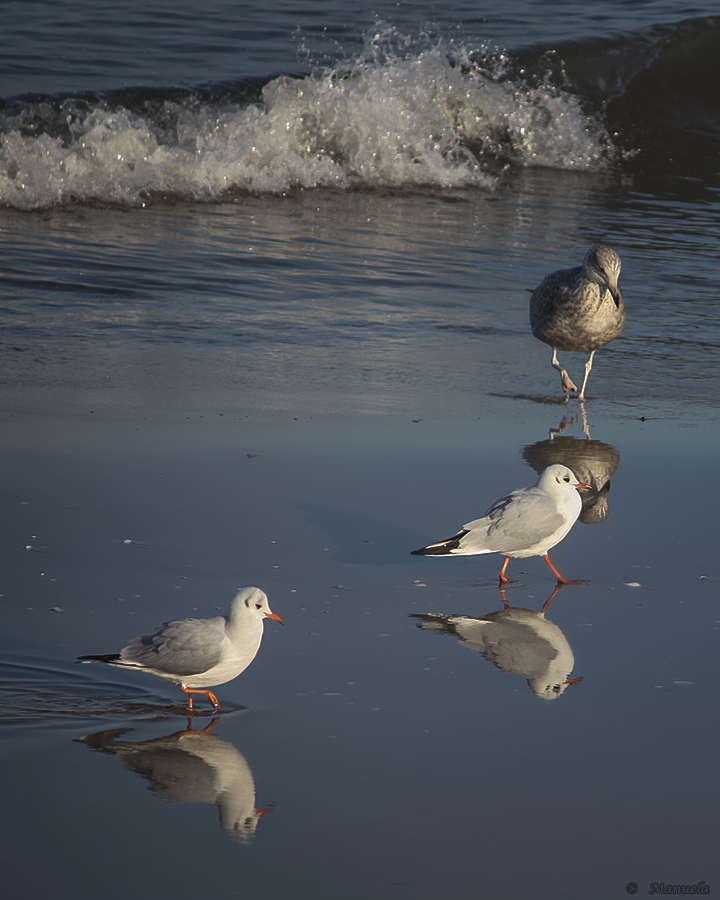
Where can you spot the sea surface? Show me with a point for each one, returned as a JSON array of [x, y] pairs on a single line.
[[264, 320]]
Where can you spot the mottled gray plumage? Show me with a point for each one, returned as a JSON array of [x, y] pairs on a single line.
[[580, 309]]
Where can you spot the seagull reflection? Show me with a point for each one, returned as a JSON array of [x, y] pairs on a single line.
[[516, 640], [593, 462], [191, 767]]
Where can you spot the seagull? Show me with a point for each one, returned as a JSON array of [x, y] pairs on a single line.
[[526, 522], [580, 309], [198, 653]]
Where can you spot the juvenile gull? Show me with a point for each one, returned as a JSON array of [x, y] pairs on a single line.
[[526, 522], [199, 653], [580, 309]]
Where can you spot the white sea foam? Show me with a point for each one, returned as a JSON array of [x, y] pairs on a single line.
[[390, 118]]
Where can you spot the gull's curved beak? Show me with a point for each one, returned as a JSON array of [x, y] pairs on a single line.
[[573, 680], [583, 486], [275, 617]]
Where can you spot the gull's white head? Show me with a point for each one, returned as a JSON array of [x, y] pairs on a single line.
[[557, 479], [255, 602]]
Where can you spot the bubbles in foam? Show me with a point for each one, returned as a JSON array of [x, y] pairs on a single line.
[[397, 116]]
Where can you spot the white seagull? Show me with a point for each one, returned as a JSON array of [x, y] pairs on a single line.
[[580, 309], [199, 653], [526, 522]]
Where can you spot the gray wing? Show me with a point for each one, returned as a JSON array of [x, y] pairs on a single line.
[[516, 522], [550, 293], [186, 647], [511, 646]]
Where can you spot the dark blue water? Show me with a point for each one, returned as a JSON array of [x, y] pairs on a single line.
[[263, 320]]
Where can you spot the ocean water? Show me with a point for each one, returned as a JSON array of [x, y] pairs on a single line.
[[264, 321]]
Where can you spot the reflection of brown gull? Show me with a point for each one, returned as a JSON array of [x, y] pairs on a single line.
[[593, 463], [580, 309], [516, 640], [192, 767]]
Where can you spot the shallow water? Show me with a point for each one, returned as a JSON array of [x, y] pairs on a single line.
[[297, 391]]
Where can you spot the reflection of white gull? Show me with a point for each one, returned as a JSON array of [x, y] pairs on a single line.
[[580, 309], [192, 767], [517, 641], [526, 522], [198, 653]]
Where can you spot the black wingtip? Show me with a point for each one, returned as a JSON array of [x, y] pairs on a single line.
[[106, 658], [442, 548]]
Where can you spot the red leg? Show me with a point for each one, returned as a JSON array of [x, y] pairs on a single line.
[[209, 694], [503, 579], [560, 579], [558, 587], [206, 730]]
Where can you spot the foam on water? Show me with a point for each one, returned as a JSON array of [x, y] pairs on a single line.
[[397, 116]]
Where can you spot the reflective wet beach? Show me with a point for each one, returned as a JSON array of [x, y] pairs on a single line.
[[362, 750], [296, 392]]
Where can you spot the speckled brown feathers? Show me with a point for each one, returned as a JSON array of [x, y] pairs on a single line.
[[580, 309]]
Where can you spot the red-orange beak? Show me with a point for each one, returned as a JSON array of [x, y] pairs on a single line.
[[275, 617], [582, 486]]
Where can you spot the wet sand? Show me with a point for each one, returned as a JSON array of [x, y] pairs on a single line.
[[375, 747], [169, 437]]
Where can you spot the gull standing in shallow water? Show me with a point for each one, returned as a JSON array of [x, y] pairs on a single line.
[[580, 309], [526, 522], [199, 653]]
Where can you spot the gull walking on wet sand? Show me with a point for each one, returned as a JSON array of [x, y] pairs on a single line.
[[526, 522], [580, 309], [199, 653]]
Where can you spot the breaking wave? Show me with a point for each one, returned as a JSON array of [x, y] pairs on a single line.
[[404, 114]]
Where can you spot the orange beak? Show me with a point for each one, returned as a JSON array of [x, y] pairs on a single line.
[[582, 486], [275, 617]]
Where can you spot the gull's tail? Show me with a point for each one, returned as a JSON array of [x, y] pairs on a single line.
[[442, 548], [108, 658]]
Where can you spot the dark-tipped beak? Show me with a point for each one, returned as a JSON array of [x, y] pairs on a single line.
[[582, 486], [274, 617], [617, 295]]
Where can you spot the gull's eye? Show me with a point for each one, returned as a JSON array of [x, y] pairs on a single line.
[[566, 478]]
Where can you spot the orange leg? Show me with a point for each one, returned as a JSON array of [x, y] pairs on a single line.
[[209, 694], [206, 730], [503, 578], [558, 587], [560, 579]]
